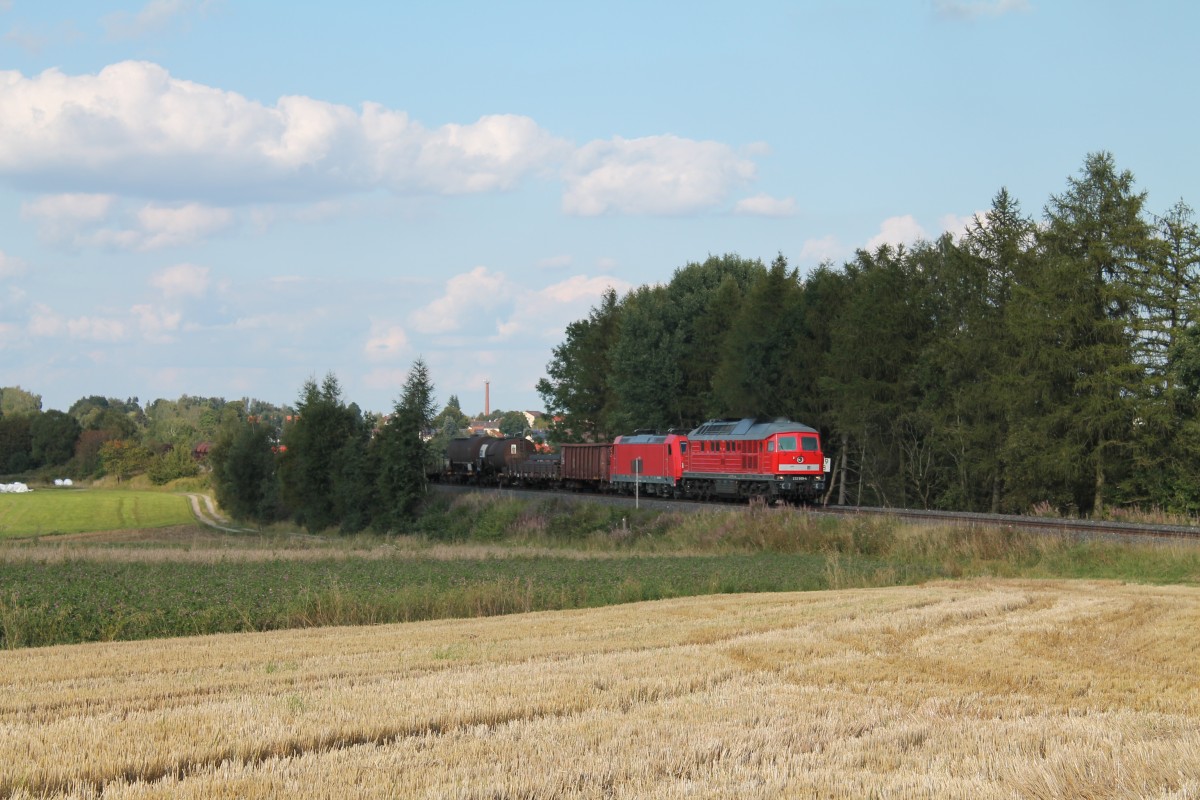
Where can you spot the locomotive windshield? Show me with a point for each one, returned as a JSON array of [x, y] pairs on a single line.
[[809, 443], [787, 443]]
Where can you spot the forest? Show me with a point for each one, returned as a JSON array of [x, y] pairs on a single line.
[[1024, 364]]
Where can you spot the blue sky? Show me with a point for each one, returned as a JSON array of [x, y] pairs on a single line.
[[225, 198]]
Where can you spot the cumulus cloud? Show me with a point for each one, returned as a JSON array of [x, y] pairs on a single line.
[[972, 9], [897, 231], [62, 213], [154, 17], [137, 129], [182, 280], [102, 220], [162, 226], [465, 296], [486, 303], [657, 175], [134, 130], [385, 342], [10, 267], [827, 248], [544, 313], [958, 226], [763, 205], [156, 324]]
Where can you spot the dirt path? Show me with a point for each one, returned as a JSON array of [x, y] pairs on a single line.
[[208, 515]]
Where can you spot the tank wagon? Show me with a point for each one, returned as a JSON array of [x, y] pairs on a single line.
[[487, 458]]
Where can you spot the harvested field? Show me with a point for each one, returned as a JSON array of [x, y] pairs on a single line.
[[983, 689]]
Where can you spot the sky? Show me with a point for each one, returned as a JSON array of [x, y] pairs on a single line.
[[227, 198]]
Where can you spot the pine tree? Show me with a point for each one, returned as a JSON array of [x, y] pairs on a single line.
[[401, 453]]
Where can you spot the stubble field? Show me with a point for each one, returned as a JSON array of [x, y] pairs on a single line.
[[982, 689]]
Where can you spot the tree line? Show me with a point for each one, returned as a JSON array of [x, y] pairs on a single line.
[[100, 436], [333, 466], [1019, 363]]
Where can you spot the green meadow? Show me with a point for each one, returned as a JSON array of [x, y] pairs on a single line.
[[478, 555], [45, 512]]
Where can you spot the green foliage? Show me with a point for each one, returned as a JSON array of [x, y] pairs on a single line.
[[16, 444], [313, 481], [53, 435], [124, 458], [401, 454], [578, 388], [15, 401], [244, 474], [172, 464]]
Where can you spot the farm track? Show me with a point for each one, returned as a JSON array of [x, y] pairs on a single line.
[[208, 515], [1075, 527]]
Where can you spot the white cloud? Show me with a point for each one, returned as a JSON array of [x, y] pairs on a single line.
[[658, 175], [137, 129], [896, 231], [972, 9], [10, 267], [182, 280], [69, 210], [99, 329], [154, 17], [958, 226], [386, 342], [102, 220], [545, 313], [65, 217], [827, 248], [172, 226], [465, 296], [764, 205], [156, 323]]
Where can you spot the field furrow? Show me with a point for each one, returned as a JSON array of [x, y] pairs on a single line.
[[982, 689]]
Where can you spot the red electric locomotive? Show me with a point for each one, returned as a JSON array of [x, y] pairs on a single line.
[[648, 463], [746, 458]]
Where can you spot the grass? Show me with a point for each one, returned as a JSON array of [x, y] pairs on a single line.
[[482, 555], [55, 511], [985, 689]]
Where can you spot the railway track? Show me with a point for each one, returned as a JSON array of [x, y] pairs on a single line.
[[1078, 527]]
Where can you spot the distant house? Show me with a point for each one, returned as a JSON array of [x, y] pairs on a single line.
[[200, 452], [486, 427]]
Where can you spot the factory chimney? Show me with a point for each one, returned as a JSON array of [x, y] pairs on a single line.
[[487, 399]]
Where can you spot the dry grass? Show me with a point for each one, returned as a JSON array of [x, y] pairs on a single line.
[[988, 689]]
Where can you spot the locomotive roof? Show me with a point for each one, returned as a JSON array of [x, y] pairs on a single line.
[[647, 438], [747, 429]]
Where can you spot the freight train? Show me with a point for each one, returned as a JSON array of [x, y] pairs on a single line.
[[773, 460]]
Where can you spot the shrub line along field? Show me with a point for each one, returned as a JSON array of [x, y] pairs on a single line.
[[480, 556], [981, 689]]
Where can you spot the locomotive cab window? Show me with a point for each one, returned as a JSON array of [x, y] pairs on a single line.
[[787, 444], [809, 444], [771, 446]]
